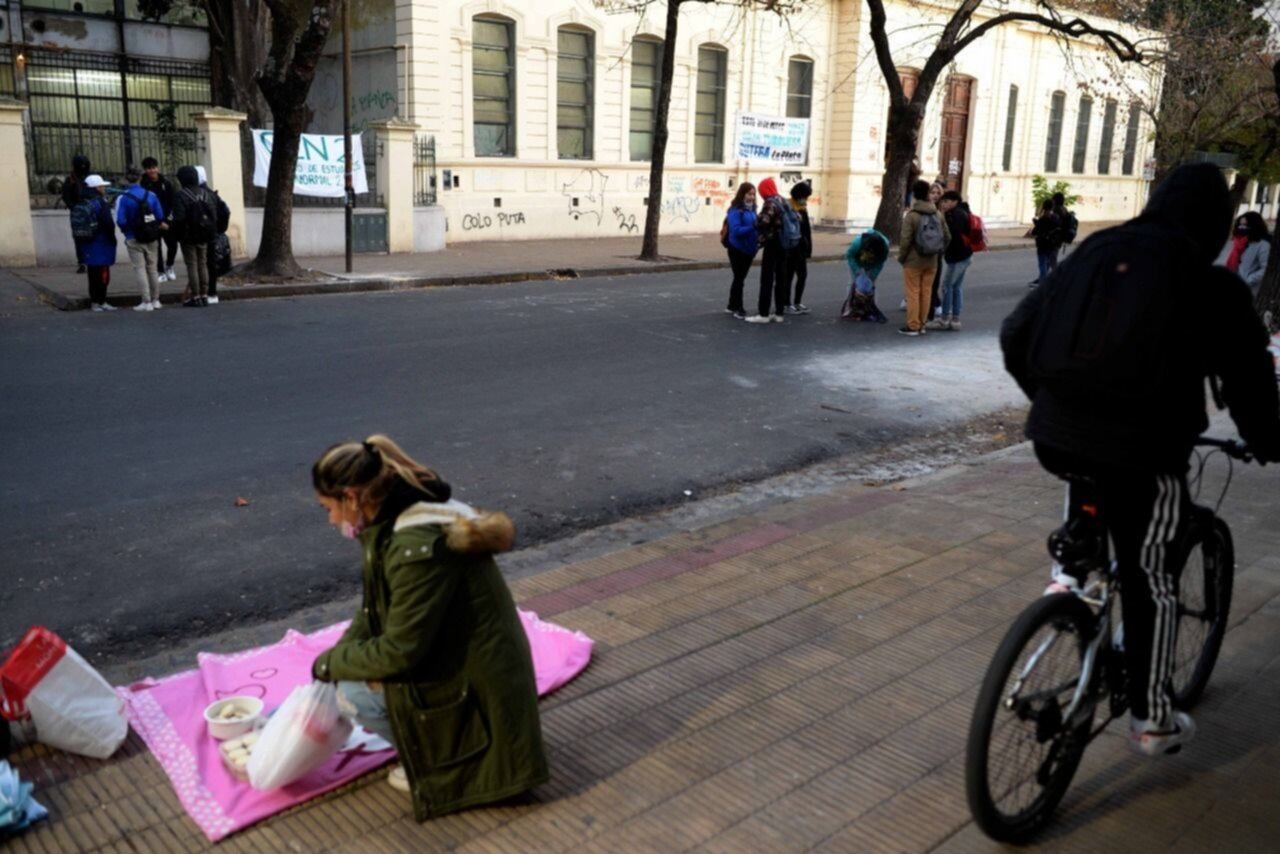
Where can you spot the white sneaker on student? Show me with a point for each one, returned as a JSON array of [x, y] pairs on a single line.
[[97, 306], [1147, 741], [213, 300], [777, 318], [155, 305], [143, 306], [758, 318], [106, 306], [398, 780]]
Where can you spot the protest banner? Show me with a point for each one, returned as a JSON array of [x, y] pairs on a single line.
[[320, 166], [772, 139]]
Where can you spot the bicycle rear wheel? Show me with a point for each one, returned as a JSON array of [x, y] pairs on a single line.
[[1204, 603], [1021, 754]]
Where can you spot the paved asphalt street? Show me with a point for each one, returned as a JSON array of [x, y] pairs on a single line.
[[128, 437]]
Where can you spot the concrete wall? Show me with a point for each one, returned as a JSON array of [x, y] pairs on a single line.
[[534, 194], [319, 232]]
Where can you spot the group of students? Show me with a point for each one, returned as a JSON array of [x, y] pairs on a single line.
[[939, 232], [1054, 227], [153, 216]]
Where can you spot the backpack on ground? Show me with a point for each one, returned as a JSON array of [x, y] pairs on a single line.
[[220, 254], [1111, 314], [202, 219], [724, 232], [144, 224], [929, 240], [976, 239], [790, 233], [84, 220], [1069, 226]]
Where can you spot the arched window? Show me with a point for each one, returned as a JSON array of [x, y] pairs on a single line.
[[493, 83], [708, 125], [1083, 118], [1010, 121], [1053, 147], [646, 64], [1131, 138], [799, 88], [575, 87], [1108, 137]]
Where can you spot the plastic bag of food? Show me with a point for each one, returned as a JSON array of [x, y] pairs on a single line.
[[71, 706], [301, 735]]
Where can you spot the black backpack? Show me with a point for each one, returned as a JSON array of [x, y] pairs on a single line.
[[1112, 312], [144, 224], [1069, 227], [202, 218], [84, 219]]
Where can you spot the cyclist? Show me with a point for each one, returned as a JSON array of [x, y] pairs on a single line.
[[1116, 379]]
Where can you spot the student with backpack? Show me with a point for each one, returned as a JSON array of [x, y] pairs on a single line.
[[798, 255], [966, 234], [924, 237], [738, 235], [74, 191], [1046, 229], [220, 247], [195, 216], [140, 216], [1117, 390], [773, 266], [95, 232]]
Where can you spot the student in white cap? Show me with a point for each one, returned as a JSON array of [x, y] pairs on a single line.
[[99, 250]]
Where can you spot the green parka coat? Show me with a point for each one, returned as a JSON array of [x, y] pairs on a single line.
[[439, 629]]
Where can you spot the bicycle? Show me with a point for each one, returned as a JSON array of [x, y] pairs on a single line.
[[1060, 661]]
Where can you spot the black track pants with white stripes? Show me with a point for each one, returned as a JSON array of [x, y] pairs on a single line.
[[1145, 514]]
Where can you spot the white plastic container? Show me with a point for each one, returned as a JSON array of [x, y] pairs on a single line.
[[247, 711]]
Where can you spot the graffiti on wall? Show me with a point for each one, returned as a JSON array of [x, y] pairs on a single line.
[[480, 221], [626, 221], [586, 194], [681, 208]]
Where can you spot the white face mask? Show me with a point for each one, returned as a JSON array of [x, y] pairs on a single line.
[[351, 531]]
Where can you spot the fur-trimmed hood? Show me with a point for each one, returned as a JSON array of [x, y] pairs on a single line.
[[467, 530]]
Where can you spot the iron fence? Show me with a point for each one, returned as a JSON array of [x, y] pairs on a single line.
[[424, 170]]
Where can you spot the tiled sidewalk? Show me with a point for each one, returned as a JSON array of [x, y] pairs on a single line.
[[801, 678]]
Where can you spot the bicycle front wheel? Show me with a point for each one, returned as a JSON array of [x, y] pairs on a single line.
[[1021, 753], [1204, 603]]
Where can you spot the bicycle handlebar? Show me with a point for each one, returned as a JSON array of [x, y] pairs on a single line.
[[1230, 447]]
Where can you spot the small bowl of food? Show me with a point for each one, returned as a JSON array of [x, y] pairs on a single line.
[[232, 717], [235, 754]]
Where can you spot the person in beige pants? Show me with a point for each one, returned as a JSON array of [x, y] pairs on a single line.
[[919, 269]]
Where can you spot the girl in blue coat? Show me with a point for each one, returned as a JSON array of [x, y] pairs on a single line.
[[742, 241], [99, 251], [865, 256]]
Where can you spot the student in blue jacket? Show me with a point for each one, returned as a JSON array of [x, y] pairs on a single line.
[[140, 215], [99, 252], [865, 256], [742, 242]]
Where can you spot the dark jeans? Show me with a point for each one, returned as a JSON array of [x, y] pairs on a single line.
[[1048, 260], [1145, 512], [79, 249], [170, 238], [213, 274], [740, 263], [99, 278], [797, 265], [773, 279], [935, 298]]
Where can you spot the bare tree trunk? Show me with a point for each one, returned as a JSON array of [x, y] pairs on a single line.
[[904, 139], [237, 50], [1238, 185], [285, 81], [652, 218]]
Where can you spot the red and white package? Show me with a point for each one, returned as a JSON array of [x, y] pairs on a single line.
[[72, 707]]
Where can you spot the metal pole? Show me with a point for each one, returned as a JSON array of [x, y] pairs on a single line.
[[346, 124]]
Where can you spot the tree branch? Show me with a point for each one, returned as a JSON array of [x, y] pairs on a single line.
[[1124, 49], [880, 38]]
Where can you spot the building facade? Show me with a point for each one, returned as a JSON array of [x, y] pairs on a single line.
[[542, 113]]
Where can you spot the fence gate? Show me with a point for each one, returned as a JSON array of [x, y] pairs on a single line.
[[424, 171]]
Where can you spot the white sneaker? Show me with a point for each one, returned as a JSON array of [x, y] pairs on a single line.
[[777, 318], [903, 306], [398, 780], [213, 300], [171, 275], [155, 305], [801, 308], [144, 306], [758, 318], [106, 306], [1148, 742], [98, 306]]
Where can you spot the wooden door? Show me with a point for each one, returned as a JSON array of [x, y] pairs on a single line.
[[955, 130]]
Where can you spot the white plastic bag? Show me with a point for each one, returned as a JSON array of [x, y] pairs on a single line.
[[72, 707], [300, 737]]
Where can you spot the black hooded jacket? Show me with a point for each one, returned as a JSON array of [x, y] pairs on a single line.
[[1215, 333]]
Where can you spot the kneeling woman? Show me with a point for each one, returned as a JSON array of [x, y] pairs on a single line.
[[436, 661]]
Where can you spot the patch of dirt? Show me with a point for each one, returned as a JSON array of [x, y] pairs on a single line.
[[236, 279]]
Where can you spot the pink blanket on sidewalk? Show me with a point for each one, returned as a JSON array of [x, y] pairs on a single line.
[[169, 716]]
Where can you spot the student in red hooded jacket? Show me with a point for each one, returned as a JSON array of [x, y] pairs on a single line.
[[773, 264]]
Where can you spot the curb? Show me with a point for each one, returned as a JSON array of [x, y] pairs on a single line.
[[387, 284]]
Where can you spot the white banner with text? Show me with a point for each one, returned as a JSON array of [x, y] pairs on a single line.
[[320, 170], [772, 139]]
